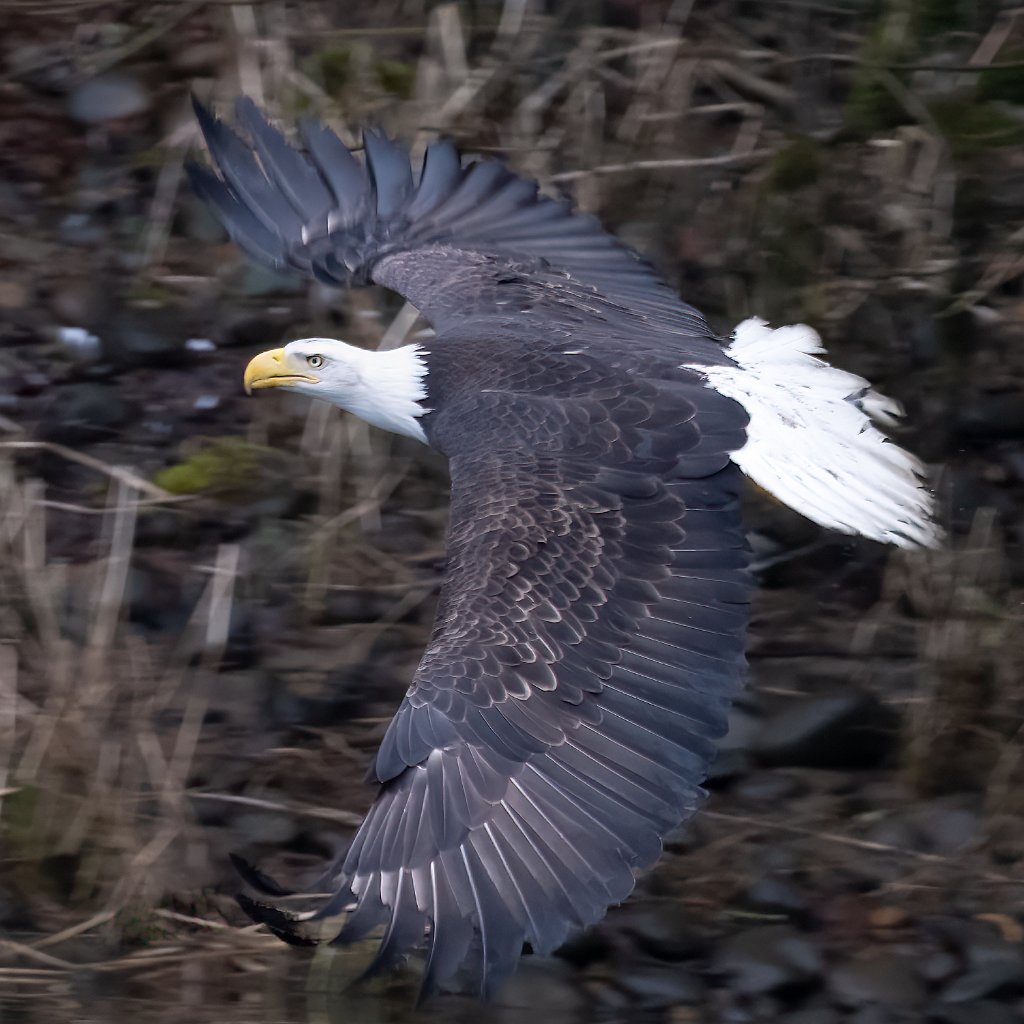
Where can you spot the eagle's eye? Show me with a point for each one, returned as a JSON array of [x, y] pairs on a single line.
[[315, 361]]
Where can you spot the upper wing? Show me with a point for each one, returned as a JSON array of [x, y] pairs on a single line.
[[462, 244], [588, 641]]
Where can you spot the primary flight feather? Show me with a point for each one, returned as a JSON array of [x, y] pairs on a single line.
[[590, 630]]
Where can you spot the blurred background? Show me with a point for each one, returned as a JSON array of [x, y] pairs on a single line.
[[210, 605]]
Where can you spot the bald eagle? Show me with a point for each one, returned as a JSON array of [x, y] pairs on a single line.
[[590, 630]]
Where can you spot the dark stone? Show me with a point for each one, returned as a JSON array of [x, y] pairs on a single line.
[[814, 1015], [108, 97], [767, 959], [986, 979], [874, 1013], [850, 730], [83, 229], [542, 986], [270, 827], [769, 788], [727, 766], [654, 986], [946, 826], [308, 697], [939, 966], [15, 915], [887, 980], [144, 338], [775, 896], [85, 413], [198, 59], [982, 1012], [992, 417], [156, 600], [659, 930], [745, 725], [262, 282], [257, 330], [993, 964]]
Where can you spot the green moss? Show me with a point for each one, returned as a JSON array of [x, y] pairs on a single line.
[[138, 926], [334, 69], [1004, 83], [396, 77], [149, 293], [871, 107], [795, 166], [154, 158], [971, 127], [228, 467]]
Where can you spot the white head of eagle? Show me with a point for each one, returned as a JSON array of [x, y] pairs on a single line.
[[385, 388]]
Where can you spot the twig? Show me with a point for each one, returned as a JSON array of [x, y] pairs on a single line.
[[76, 929], [144, 38], [121, 473], [859, 844], [8, 708], [672, 163], [303, 810], [399, 328], [30, 953]]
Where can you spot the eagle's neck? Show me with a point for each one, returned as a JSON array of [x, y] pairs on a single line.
[[387, 388]]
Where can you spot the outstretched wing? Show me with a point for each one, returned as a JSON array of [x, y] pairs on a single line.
[[588, 641], [463, 244]]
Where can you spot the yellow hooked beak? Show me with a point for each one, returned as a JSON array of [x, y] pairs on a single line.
[[270, 370]]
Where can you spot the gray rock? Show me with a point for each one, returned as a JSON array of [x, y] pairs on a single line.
[[268, 827], [257, 330], [887, 980], [15, 915], [992, 417], [82, 229], [993, 964], [946, 826], [769, 788], [745, 726], [983, 1012], [262, 282], [985, 979], [658, 929], [767, 959], [541, 986], [847, 730], [874, 1013], [727, 765], [80, 302], [939, 966], [775, 896], [814, 1015], [85, 413], [108, 97], [200, 58], [149, 338], [654, 986]]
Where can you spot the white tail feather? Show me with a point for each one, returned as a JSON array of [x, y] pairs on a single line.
[[811, 441]]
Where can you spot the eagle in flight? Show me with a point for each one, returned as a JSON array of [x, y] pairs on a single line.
[[590, 629]]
